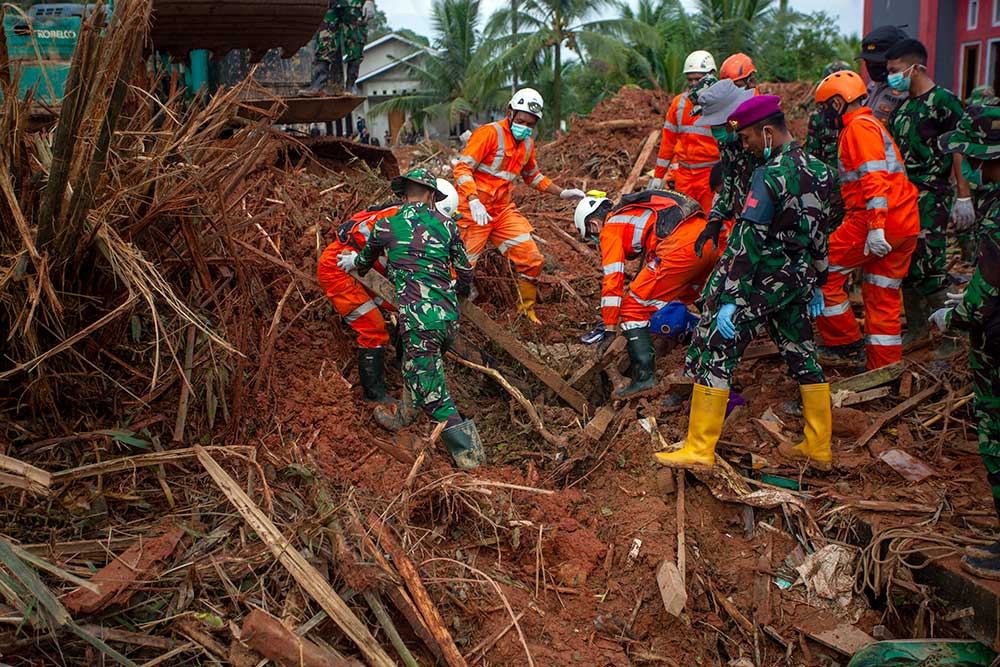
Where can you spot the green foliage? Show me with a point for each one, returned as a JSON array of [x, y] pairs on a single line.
[[797, 46]]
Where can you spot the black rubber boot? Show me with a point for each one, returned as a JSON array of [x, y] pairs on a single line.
[[321, 75], [353, 69], [852, 353], [464, 444], [917, 311], [371, 370], [640, 353]]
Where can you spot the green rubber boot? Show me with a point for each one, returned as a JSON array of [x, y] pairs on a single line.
[[464, 444], [640, 353]]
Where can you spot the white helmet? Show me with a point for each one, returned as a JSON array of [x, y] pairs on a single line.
[[585, 208], [528, 100], [699, 62], [449, 205]]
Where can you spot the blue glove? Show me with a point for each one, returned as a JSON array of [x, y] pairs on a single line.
[[724, 321], [816, 303]]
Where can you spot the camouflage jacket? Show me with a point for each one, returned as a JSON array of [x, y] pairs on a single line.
[[780, 242], [738, 165], [916, 125], [821, 140], [979, 310], [422, 247]]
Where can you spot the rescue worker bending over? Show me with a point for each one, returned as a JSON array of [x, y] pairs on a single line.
[[423, 247], [779, 260], [879, 232], [496, 155], [360, 309], [660, 228], [687, 142]]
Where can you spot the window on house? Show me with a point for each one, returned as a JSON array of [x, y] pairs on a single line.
[[996, 12], [972, 20]]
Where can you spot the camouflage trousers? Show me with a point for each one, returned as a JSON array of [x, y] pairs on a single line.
[[986, 382], [928, 266], [343, 34], [711, 359], [423, 370]]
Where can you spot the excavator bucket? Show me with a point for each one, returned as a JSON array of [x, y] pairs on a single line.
[[182, 26]]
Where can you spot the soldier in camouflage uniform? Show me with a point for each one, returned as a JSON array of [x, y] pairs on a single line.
[[978, 309], [341, 40], [821, 138], [967, 240], [779, 261], [423, 247], [929, 112]]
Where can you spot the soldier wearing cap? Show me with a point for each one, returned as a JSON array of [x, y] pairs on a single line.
[[772, 284], [977, 310], [423, 247], [882, 98]]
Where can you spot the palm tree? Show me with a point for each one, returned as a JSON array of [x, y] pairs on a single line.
[[549, 26], [456, 77], [661, 61], [727, 25]]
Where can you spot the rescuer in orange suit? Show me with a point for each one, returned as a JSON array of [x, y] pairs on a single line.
[[359, 308], [687, 144], [740, 68], [662, 229], [879, 232], [496, 155]]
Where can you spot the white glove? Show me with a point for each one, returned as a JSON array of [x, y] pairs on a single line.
[[479, 213], [954, 298], [876, 244], [346, 260], [963, 213], [655, 184], [368, 11], [572, 193], [940, 318]]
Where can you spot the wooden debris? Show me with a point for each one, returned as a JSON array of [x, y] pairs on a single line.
[[762, 587], [895, 413], [596, 362], [21, 475], [672, 589], [869, 379], [131, 463], [597, 426], [649, 144], [195, 630], [117, 580], [269, 637], [846, 398], [906, 385], [842, 637], [301, 570]]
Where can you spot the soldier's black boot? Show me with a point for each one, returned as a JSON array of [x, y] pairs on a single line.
[[852, 354], [371, 370], [917, 312], [464, 444], [640, 352], [321, 74], [353, 69]]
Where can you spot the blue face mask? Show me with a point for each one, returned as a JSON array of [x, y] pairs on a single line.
[[520, 132], [900, 80]]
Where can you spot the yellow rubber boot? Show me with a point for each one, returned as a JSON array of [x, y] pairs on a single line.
[[818, 429], [708, 411], [528, 291]]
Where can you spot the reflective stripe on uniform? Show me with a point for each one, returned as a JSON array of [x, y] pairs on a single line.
[[510, 243], [667, 125], [629, 326], [883, 340], [638, 221], [660, 162], [363, 309], [680, 109], [839, 309], [537, 179], [654, 303], [697, 165], [840, 269], [890, 164], [882, 281], [695, 129], [611, 301], [614, 267], [465, 178], [473, 258], [365, 231], [877, 202]]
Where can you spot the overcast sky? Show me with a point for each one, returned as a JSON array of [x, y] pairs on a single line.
[[414, 14]]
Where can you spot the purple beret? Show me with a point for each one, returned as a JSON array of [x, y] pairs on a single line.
[[754, 110]]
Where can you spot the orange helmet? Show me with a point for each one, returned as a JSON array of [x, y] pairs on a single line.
[[737, 66], [845, 83]]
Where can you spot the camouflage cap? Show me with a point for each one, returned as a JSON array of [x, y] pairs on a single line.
[[421, 177], [836, 66], [983, 95], [977, 134]]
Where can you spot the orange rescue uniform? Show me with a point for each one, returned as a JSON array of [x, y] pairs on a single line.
[[491, 163], [687, 143], [671, 270], [356, 305], [877, 195]]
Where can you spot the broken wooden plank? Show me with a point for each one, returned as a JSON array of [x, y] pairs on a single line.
[[647, 149], [597, 426], [597, 362], [672, 589], [869, 379], [846, 398], [762, 587], [117, 581], [269, 637], [830, 632], [21, 475], [381, 286], [304, 573], [906, 385], [895, 413], [131, 463]]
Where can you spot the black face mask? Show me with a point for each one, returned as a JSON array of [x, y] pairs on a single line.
[[877, 71], [832, 117]]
